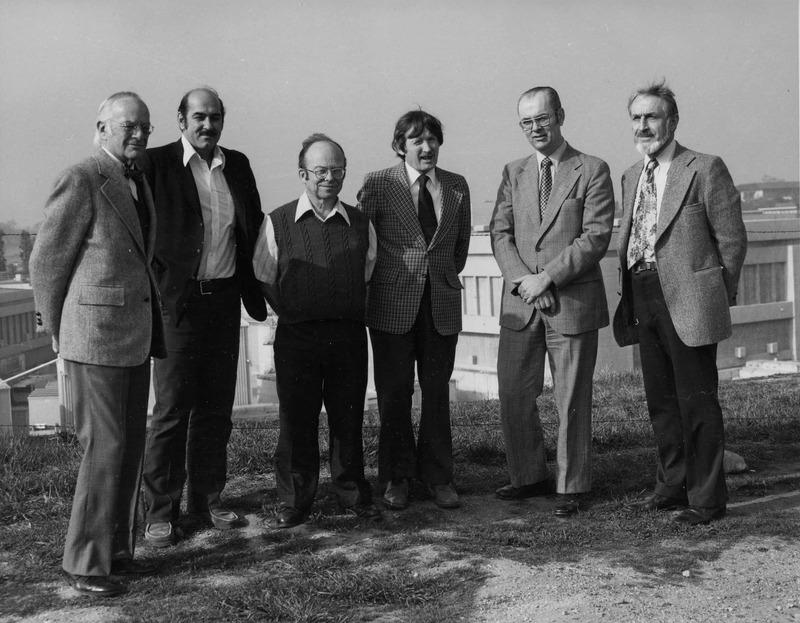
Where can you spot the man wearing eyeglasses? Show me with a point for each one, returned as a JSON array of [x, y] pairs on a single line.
[[421, 214], [314, 256], [95, 293], [209, 213], [550, 227]]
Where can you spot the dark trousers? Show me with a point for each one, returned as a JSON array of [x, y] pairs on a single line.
[[316, 363], [110, 406], [680, 383], [194, 386], [394, 356]]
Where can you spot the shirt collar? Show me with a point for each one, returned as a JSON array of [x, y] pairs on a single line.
[[666, 155], [304, 206], [190, 152], [555, 157], [413, 174]]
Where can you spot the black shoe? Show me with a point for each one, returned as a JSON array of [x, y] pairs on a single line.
[[289, 517], [97, 585], [658, 502], [699, 516], [509, 492], [129, 566], [568, 504]]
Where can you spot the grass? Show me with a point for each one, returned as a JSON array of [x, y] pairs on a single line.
[[423, 565]]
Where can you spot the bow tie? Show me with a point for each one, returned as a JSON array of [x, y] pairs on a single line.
[[131, 172]]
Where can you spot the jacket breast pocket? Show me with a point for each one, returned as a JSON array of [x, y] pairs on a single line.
[[101, 295]]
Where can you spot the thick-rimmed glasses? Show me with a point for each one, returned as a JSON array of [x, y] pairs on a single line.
[[322, 172], [130, 128], [528, 123]]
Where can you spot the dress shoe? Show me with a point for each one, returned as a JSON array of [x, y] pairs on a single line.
[[97, 585], [396, 495], [160, 534], [289, 517], [699, 516], [658, 502], [129, 566], [510, 492], [568, 504], [222, 518], [445, 496]]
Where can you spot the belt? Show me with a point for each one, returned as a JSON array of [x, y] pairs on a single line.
[[211, 286], [642, 266]]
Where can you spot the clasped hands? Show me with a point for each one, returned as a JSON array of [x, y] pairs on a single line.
[[534, 290]]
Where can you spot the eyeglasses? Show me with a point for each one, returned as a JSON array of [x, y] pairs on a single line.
[[527, 124], [130, 128], [322, 173]]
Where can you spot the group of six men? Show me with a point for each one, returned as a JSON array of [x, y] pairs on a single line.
[[148, 253]]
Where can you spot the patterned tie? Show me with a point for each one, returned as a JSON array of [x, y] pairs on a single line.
[[643, 230], [545, 185], [425, 211]]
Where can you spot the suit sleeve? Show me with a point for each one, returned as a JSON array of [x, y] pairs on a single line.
[[366, 198], [464, 230], [724, 210], [598, 218], [501, 229], [68, 215]]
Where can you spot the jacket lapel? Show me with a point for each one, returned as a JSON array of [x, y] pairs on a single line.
[[402, 202], [679, 178], [184, 174], [529, 189], [451, 199], [566, 176], [630, 181], [117, 192]]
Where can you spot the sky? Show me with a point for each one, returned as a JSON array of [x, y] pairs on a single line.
[[287, 68]]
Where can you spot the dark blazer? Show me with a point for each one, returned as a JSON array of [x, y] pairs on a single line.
[[179, 239], [404, 259], [700, 247], [90, 269], [568, 244]]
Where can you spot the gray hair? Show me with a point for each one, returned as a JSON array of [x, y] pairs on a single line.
[[104, 110], [659, 90]]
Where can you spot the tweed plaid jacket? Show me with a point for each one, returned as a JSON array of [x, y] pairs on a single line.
[[404, 260]]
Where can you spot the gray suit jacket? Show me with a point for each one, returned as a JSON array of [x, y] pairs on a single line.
[[700, 247], [90, 268], [404, 260], [568, 243]]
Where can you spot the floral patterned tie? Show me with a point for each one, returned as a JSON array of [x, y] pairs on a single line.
[[643, 231]]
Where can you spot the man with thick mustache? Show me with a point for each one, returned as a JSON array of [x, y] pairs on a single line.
[[681, 247], [209, 214], [421, 214], [550, 227], [95, 293]]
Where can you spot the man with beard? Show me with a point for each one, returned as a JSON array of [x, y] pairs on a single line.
[[209, 214], [681, 247], [95, 293], [550, 227]]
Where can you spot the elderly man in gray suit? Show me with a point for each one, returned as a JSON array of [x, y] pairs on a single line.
[[95, 293], [682, 243], [550, 227]]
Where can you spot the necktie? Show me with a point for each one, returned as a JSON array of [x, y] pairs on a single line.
[[643, 230], [425, 211], [545, 185]]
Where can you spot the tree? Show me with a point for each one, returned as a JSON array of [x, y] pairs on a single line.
[[25, 248], [2, 251]]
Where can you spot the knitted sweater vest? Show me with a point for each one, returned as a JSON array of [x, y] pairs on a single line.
[[321, 265]]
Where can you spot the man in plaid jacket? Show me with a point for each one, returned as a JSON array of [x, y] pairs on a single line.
[[421, 215]]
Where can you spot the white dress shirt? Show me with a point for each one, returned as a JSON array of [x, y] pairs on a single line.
[[218, 259], [434, 188], [265, 256], [131, 183]]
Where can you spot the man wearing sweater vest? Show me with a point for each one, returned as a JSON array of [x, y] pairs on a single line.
[[314, 256]]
